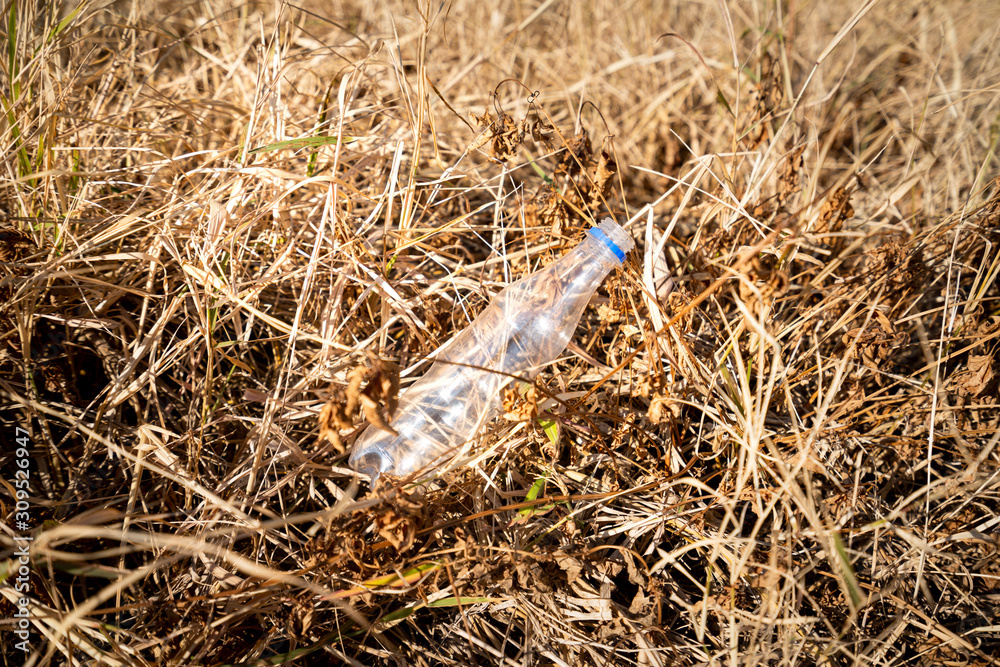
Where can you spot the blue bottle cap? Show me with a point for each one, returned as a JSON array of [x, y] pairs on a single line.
[[599, 234]]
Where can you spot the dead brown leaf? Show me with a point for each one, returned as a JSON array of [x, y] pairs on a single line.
[[835, 211], [347, 403], [901, 265], [542, 132], [663, 408], [549, 208], [876, 343], [573, 567], [400, 530], [980, 374], [789, 176], [605, 170], [502, 133], [520, 406], [576, 156]]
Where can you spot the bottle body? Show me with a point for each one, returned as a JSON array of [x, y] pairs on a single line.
[[527, 325]]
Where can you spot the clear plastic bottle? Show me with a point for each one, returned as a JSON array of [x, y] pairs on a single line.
[[527, 325]]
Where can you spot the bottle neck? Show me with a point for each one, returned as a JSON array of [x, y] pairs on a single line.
[[582, 270]]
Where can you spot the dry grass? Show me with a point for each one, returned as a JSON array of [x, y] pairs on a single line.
[[790, 459]]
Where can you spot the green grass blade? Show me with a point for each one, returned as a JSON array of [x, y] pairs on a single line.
[[58, 30], [304, 142], [850, 579]]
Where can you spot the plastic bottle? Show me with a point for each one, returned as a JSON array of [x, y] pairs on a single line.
[[527, 325]]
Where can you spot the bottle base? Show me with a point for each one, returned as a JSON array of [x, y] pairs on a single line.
[[369, 465]]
